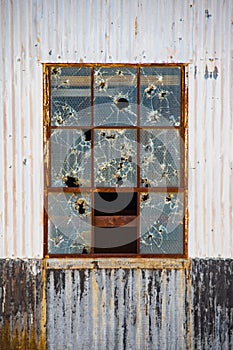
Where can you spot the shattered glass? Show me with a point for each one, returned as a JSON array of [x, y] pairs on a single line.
[[69, 229], [100, 137], [160, 158], [161, 227], [160, 97], [70, 158], [115, 158], [70, 96], [115, 96]]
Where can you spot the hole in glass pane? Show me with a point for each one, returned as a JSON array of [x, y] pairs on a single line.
[[122, 103], [113, 203]]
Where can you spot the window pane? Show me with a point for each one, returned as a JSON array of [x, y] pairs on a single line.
[[160, 158], [115, 96], [69, 230], [70, 158], [161, 217], [160, 96], [70, 96], [115, 158]]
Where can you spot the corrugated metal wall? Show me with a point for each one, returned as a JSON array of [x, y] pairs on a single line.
[[108, 308], [118, 309], [149, 307], [212, 304], [138, 309], [195, 32], [22, 305]]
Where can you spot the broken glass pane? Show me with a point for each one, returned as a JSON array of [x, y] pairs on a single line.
[[69, 230], [115, 158], [160, 96], [161, 227], [70, 96], [115, 96], [160, 158], [70, 158]]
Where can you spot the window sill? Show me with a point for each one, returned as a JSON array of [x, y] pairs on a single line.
[[116, 263]]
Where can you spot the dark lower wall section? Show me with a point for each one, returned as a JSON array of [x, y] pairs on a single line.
[[212, 304], [21, 305], [157, 309]]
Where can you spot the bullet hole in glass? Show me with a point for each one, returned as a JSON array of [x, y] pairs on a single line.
[[122, 103], [80, 206], [71, 181], [150, 91], [87, 135], [144, 197]]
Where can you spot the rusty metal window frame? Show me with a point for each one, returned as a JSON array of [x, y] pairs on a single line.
[[183, 132]]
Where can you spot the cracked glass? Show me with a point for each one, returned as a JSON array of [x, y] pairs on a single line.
[[160, 96], [115, 160], [69, 223], [70, 96], [161, 224], [160, 158], [115, 96], [70, 158]]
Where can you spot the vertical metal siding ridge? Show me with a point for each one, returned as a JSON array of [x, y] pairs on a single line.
[[227, 145], [217, 52], [21, 304], [8, 133], [16, 102], [2, 136], [212, 309], [116, 308]]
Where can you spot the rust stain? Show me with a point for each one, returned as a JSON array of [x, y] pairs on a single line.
[[136, 26], [19, 340], [116, 263], [22, 305]]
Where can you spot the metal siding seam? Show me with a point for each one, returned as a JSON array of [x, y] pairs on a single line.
[[27, 116], [8, 138], [2, 137], [227, 158], [191, 162], [24, 73], [16, 136]]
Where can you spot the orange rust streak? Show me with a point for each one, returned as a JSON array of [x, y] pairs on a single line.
[[115, 221]]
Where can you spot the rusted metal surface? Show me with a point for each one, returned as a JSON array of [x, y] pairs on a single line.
[[22, 305], [117, 309], [212, 304], [195, 32], [127, 306], [116, 263], [123, 308], [189, 307]]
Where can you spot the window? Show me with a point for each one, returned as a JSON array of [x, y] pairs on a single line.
[[115, 160]]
